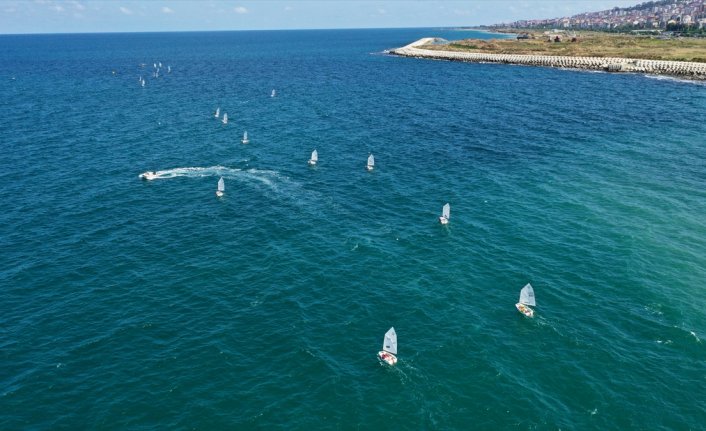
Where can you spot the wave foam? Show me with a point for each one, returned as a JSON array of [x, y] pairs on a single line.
[[675, 79]]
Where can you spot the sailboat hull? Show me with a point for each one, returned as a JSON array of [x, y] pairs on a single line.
[[387, 358], [312, 162], [443, 220], [219, 193], [522, 308], [368, 167]]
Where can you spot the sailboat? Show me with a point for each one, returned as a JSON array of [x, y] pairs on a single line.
[[314, 158], [218, 113], [221, 187], [274, 93], [526, 299], [225, 118], [445, 214], [245, 139], [371, 163], [389, 348], [169, 69]]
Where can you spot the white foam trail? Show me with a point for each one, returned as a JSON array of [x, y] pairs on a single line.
[[269, 181], [196, 172]]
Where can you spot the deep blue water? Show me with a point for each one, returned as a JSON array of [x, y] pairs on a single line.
[[129, 304]]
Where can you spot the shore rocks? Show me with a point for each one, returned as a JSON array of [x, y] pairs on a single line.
[[682, 69]]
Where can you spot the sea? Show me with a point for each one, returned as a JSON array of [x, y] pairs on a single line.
[[128, 304]]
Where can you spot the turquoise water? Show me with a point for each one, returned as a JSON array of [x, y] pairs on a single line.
[[131, 304]]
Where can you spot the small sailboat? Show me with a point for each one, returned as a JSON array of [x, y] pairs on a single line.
[[389, 348], [445, 214], [245, 139], [149, 175], [274, 93], [160, 64], [169, 69], [314, 158], [526, 299], [221, 187], [218, 113], [371, 163], [225, 118]]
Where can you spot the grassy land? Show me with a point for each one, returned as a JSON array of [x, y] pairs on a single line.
[[589, 44]]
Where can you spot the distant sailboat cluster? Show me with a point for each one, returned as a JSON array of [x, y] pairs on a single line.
[[156, 69]]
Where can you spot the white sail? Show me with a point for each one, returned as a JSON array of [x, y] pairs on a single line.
[[314, 156], [245, 136], [274, 93], [225, 118], [221, 185], [446, 211], [218, 113], [527, 295], [390, 342], [371, 160]]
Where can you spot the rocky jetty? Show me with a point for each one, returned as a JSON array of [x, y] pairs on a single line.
[[681, 69]]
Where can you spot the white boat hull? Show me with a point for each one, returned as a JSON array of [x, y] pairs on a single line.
[[219, 193], [245, 141], [387, 358], [368, 167], [522, 308], [443, 220], [148, 176], [312, 162]]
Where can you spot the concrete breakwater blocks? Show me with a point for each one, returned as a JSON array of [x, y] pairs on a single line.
[[683, 69]]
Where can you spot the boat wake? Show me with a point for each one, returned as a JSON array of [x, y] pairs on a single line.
[[196, 172], [268, 181]]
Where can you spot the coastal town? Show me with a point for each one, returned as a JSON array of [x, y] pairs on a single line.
[[646, 38], [653, 15]]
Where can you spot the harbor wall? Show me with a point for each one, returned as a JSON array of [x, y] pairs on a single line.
[[683, 69]]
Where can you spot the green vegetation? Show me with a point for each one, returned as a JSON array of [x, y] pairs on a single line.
[[588, 44]]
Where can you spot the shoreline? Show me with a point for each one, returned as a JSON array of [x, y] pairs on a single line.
[[680, 69]]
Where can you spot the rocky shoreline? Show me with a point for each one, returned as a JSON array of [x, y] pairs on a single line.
[[680, 69]]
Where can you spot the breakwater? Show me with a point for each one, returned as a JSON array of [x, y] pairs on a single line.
[[682, 69]]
